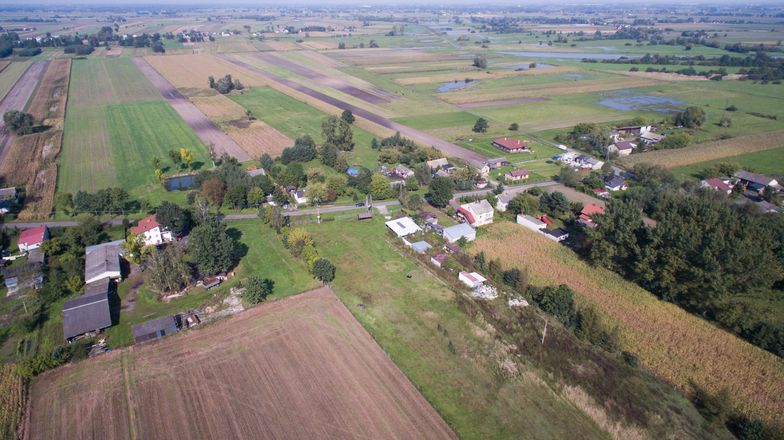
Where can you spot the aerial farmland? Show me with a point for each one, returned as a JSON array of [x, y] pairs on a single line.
[[480, 222]]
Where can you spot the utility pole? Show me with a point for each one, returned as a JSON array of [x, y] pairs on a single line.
[[544, 333]]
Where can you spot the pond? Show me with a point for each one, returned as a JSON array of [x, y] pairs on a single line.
[[526, 66], [627, 100], [180, 183], [568, 55], [454, 85]]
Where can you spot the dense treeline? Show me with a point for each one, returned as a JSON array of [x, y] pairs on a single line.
[[704, 254]]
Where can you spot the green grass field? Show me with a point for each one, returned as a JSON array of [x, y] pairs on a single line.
[[295, 118], [770, 162], [10, 75], [116, 122]]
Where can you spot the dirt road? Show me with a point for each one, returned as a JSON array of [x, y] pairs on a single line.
[[205, 129], [447, 148], [17, 98]]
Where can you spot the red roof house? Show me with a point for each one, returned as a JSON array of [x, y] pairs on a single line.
[[717, 184], [32, 238], [151, 231], [145, 224], [589, 211], [510, 145]]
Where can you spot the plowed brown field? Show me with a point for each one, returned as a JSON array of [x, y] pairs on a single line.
[[192, 71], [302, 367]]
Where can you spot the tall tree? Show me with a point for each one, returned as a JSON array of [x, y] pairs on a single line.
[[167, 269], [441, 190], [211, 247], [173, 217]]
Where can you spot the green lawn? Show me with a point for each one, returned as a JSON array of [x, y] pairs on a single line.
[[439, 120], [770, 162], [414, 316], [295, 118]]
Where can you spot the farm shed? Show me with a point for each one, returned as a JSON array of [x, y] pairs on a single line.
[[556, 234], [102, 261], [458, 231], [531, 223], [421, 247], [88, 313], [439, 260], [403, 226], [155, 328], [472, 279]]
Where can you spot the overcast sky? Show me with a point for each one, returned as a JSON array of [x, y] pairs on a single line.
[[263, 3]]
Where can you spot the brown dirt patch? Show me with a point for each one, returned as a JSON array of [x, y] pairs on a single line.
[[302, 367], [282, 45], [192, 70], [49, 100], [219, 108], [709, 150], [321, 44], [665, 76]]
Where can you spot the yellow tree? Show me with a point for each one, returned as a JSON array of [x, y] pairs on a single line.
[[187, 156]]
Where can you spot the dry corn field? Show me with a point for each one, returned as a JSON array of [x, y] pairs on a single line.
[[258, 138], [191, 71], [31, 159], [219, 108], [709, 150], [672, 343], [302, 367], [12, 401], [546, 90]]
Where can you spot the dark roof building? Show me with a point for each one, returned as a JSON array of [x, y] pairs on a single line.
[[155, 328], [88, 313]]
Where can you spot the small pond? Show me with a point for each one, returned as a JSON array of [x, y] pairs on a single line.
[[180, 183], [454, 85], [526, 66], [627, 100]]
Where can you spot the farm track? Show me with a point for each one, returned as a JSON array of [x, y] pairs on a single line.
[[377, 96], [17, 98], [205, 129], [447, 148], [301, 367]]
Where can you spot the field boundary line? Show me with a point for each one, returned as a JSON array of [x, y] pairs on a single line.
[[124, 364]]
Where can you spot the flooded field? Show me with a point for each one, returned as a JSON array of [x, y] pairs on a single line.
[[628, 100], [454, 85]]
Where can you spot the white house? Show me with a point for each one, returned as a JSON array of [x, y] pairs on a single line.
[[623, 148], [403, 226], [502, 201], [299, 197], [461, 230], [477, 213], [152, 233], [437, 163], [472, 280], [531, 223]]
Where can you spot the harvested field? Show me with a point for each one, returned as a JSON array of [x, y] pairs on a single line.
[[12, 401], [321, 44], [709, 150], [545, 90], [206, 130], [257, 138], [282, 45], [672, 343], [49, 100], [31, 163], [191, 71], [665, 76], [10, 75], [371, 94], [301, 367], [481, 75], [502, 102], [320, 59], [219, 108], [17, 98], [438, 66], [366, 57]]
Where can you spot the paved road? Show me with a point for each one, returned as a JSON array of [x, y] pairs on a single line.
[[447, 148], [205, 129], [507, 190], [17, 98]]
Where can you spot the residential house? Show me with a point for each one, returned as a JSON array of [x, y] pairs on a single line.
[[587, 163], [421, 247], [299, 197], [428, 217], [502, 201], [8, 198], [102, 261], [531, 223], [472, 279], [461, 230], [437, 163], [601, 193], [481, 183], [155, 328], [511, 145], [615, 183], [439, 260], [556, 234], [588, 212], [757, 182], [253, 171], [403, 226], [152, 232], [32, 238], [402, 172], [623, 148], [477, 213], [89, 313], [497, 163], [717, 184], [516, 175], [633, 130]]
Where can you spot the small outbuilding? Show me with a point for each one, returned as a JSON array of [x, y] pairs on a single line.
[[155, 328], [471, 279], [421, 247], [461, 230], [403, 226]]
